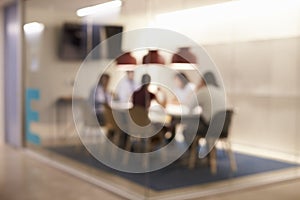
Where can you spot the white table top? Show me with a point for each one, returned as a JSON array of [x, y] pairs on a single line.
[[159, 114]]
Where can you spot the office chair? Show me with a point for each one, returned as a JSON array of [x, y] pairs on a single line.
[[137, 119], [86, 122], [223, 139]]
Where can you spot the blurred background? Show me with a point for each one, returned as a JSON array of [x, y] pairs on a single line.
[[254, 45]]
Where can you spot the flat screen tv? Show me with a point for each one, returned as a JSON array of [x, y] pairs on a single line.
[[77, 40]]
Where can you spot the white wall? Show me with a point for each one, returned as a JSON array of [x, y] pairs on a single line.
[[262, 82], [235, 21], [1, 76], [255, 45], [54, 77]]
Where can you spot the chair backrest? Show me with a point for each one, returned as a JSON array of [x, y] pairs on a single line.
[[228, 118], [139, 115], [138, 123], [110, 118]]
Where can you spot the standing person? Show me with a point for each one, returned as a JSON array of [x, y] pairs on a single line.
[[126, 88], [100, 95], [124, 91]]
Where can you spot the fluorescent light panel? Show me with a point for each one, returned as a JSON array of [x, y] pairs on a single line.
[[98, 8]]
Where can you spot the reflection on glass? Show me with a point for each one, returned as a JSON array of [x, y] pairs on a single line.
[[258, 70]]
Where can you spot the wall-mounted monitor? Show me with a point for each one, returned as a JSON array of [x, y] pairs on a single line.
[[77, 40]]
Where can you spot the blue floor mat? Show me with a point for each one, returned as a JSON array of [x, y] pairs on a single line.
[[177, 175]]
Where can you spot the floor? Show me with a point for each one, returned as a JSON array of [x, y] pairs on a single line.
[[24, 178]]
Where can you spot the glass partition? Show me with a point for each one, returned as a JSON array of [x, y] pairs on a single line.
[[220, 111]]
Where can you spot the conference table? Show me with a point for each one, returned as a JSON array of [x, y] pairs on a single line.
[[157, 113], [173, 116], [178, 116]]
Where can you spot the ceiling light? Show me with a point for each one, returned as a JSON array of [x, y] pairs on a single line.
[[33, 28], [98, 8]]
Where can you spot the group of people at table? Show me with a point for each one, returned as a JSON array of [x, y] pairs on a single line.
[[139, 95]]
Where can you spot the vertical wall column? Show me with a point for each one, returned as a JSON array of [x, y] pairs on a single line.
[[13, 92], [1, 75]]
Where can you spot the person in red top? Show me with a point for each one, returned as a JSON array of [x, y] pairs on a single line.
[[142, 97]]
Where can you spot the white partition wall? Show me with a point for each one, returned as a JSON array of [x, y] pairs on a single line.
[[262, 83]]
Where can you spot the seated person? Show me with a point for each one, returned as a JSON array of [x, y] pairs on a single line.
[[142, 98], [207, 91], [183, 89], [100, 96]]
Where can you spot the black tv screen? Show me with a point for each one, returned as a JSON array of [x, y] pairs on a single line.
[[114, 46], [73, 42], [77, 40]]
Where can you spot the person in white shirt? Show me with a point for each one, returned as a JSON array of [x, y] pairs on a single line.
[[183, 89], [126, 87], [210, 97]]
